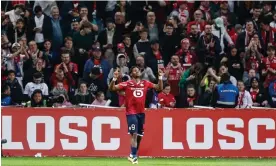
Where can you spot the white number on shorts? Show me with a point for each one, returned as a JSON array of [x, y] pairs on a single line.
[[138, 93], [132, 127]]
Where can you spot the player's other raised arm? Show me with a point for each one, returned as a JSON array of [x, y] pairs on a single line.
[[159, 86], [112, 86]]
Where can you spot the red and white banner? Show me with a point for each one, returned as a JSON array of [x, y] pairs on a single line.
[[103, 132]]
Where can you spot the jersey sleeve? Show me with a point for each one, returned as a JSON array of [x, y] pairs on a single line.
[[149, 84], [122, 85]]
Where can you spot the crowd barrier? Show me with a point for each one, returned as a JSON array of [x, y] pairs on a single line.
[[87, 132]]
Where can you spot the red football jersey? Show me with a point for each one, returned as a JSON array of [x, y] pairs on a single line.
[[135, 94]]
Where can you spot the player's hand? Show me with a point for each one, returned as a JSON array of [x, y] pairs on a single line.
[[116, 73], [160, 72]]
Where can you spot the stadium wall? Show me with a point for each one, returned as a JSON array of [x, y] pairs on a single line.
[[168, 133]]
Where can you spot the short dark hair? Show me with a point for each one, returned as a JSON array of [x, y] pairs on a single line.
[[258, 6], [5, 88], [144, 30], [11, 71], [225, 77], [166, 85], [37, 75], [65, 51], [131, 69], [190, 86], [271, 48], [37, 9]]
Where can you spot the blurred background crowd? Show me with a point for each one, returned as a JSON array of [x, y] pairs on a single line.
[[63, 53]]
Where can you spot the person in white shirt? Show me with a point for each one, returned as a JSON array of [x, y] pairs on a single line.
[[16, 13], [46, 6], [244, 100], [36, 84]]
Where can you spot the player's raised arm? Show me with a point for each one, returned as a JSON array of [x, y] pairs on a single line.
[[112, 86], [159, 86]]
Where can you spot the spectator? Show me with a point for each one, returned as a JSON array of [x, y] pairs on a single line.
[[154, 59], [83, 15], [191, 99], [224, 11], [15, 87], [46, 6], [108, 39], [208, 47], [173, 74], [68, 45], [270, 66], [121, 50], [153, 28], [36, 84], [35, 26], [191, 76], [207, 93], [59, 90], [68, 67], [245, 37], [205, 8], [16, 13], [84, 39], [135, 34], [39, 67], [146, 72], [75, 24], [100, 101], [142, 47], [33, 53], [14, 61], [6, 99], [224, 69], [193, 36], [169, 42], [17, 32], [63, 76], [198, 21], [63, 102], [238, 30], [226, 94], [127, 42], [55, 29], [234, 64], [186, 56], [220, 31], [257, 93], [96, 61], [121, 65], [37, 99], [257, 9], [83, 95], [210, 75], [244, 100], [273, 22], [267, 34], [165, 98], [272, 94], [247, 79]]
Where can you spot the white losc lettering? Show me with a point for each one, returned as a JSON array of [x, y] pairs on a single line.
[[7, 134], [49, 122], [168, 134], [222, 130], [65, 129], [97, 123], [253, 133], [191, 133]]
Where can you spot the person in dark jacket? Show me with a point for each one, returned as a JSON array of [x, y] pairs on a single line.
[[169, 43], [257, 92], [37, 99], [15, 87], [208, 47], [83, 95], [5, 96], [226, 94], [191, 97], [142, 47], [155, 59]]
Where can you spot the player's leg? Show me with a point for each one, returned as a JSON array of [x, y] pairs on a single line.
[[141, 122], [132, 129]]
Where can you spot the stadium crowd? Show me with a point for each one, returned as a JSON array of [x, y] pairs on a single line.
[[63, 53]]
